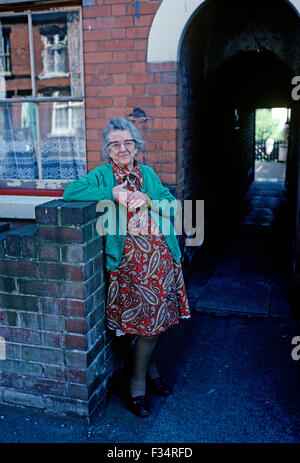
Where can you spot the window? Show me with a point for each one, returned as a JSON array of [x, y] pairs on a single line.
[[66, 118], [5, 54], [54, 56], [42, 139]]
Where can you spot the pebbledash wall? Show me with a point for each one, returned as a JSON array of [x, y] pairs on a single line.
[[56, 354]]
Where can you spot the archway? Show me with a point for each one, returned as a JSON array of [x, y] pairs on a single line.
[[170, 25]]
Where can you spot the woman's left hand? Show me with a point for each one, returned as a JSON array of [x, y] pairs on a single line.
[[137, 199]]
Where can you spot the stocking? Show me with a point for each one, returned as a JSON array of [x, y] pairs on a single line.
[[144, 348], [153, 372]]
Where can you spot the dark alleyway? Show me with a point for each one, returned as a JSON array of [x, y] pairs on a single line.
[[230, 365], [248, 271]]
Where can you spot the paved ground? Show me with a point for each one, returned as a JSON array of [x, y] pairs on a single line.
[[234, 380], [271, 171], [230, 365]]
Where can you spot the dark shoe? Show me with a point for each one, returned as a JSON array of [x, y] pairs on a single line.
[[159, 386], [139, 406]]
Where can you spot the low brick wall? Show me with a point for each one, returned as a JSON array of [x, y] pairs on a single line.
[[58, 356]]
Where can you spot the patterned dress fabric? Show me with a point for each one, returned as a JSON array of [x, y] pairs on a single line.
[[146, 293]]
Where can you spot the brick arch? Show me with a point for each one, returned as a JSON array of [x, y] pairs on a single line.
[[169, 25]]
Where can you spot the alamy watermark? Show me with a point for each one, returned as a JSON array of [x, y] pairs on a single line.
[[296, 89], [187, 218], [296, 350], [2, 348]]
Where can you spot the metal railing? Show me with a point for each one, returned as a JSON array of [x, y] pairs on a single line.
[[267, 150]]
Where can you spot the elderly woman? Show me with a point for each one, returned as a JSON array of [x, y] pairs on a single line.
[[146, 291]]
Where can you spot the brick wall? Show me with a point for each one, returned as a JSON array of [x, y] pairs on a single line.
[[245, 149], [118, 78], [59, 357], [190, 136]]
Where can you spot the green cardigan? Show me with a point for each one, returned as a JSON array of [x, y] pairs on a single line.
[[97, 185]]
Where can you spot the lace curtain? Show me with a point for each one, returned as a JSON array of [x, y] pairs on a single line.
[[61, 137]]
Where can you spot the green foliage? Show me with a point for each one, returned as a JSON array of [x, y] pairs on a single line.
[[266, 126]]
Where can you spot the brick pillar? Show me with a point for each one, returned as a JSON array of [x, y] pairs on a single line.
[[59, 357]]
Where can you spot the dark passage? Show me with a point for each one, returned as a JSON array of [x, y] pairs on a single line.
[[237, 57], [245, 264]]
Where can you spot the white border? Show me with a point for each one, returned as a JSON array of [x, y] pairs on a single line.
[[169, 26]]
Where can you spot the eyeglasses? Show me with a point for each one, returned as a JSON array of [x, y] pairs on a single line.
[[117, 145]]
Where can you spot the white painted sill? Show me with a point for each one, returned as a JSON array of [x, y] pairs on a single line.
[[22, 207]]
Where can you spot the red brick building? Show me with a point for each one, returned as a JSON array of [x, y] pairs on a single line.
[[198, 70], [187, 64]]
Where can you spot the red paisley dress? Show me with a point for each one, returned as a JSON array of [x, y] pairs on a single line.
[[146, 292]]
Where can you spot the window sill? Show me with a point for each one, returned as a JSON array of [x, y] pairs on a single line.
[[21, 207], [61, 134], [53, 75]]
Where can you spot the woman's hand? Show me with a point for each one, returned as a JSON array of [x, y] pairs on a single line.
[[129, 199], [121, 194], [137, 199]]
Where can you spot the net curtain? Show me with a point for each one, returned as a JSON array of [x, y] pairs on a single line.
[[63, 156]]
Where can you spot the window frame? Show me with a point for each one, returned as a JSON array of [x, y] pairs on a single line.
[[39, 184], [6, 56], [55, 73], [69, 106]]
